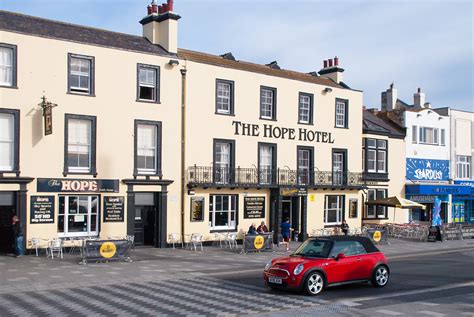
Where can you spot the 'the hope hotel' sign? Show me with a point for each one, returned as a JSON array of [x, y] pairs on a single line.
[[77, 185], [275, 132]]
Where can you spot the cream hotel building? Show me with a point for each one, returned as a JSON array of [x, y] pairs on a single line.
[[108, 134]]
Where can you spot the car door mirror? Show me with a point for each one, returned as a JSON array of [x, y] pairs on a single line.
[[340, 256]]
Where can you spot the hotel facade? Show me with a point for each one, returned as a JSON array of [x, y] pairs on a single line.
[[107, 134]]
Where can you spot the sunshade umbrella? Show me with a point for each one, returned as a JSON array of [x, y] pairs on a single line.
[[396, 202]]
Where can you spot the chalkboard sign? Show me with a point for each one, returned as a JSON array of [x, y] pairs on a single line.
[[113, 209], [352, 208], [197, 209], [254, 207], [42, 209]]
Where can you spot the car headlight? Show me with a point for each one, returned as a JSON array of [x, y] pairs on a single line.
[[268, 265], [298, 269]]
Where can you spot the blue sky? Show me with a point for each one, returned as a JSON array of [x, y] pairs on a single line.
[[417, 43]]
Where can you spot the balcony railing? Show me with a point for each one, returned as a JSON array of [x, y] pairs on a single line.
[[253, 177]]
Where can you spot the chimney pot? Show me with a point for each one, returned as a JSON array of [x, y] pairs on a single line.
[[160, 10], [149, 9], [325, 64], [154, 8], [419, 89], [170, 5], [330, 62], [336, 61], [165, 7]]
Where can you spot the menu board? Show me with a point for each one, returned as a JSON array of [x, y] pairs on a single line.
[[197, 209], [113, 209], [42, 209], [352, 208], [254, 207]]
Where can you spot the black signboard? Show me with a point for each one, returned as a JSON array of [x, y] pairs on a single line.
[[435, 234], [106, 250], [113, 209], [42, 209], [197, 209], [352, 208], [56, 185], [48, 120], [254, 207], [260, 242]]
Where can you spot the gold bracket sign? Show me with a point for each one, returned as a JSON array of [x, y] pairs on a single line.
[[47, 107]]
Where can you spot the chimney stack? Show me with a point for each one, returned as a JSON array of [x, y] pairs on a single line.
[[389, 99], [419, 99], [332, 70], [160, 26]]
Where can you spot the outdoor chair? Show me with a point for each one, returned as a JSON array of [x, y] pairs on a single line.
[[232, 240], [55, 245], [175, 238], [131, 240], [196, 240], [217, 237], [36, 243]]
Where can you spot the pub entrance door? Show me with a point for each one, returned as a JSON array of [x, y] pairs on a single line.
[[146, 219], [7, 210], [290, 209]]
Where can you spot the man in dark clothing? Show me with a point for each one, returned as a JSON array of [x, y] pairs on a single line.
[[344, 227], [252, 229], [262, 228], [18, 236]]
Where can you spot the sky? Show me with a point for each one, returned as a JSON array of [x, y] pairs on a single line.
[[425, 44]]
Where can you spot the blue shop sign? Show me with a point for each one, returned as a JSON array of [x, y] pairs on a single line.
[[437, 190], [466, 183], [427, 170]]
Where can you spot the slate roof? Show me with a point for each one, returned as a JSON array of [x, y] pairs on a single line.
[[29, 25], [380, 124]]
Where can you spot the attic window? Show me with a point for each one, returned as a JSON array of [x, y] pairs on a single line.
[[229, 56]]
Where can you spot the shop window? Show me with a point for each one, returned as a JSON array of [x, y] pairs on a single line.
[[78, 216], [342, 113], [375, 155], [373, 212], [463, 167], [148, 83], [268, 103], [147, 147], [333, 209], [223, 212], [9, 141], [81, 74], [224, 97], [80, 147], [305, 108], [8, 62]]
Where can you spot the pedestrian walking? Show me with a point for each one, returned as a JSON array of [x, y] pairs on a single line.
[[285, 232], [18, 233]]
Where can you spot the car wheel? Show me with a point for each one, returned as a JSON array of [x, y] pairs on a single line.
[[314, 283], [381, 276]]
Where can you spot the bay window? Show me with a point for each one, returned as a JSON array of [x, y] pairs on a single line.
[[373, 212], [375, 155]]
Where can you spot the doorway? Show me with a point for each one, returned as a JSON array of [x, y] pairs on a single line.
[[7, 210], [290, 209], [146, 219]]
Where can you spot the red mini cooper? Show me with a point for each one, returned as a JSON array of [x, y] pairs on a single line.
[[328, 261]]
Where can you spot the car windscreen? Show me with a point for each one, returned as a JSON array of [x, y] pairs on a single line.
[[314, 248]]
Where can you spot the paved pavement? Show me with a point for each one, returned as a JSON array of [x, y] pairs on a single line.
[[183, 282]]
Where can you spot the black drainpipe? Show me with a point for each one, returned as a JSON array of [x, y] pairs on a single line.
[[183, 146]]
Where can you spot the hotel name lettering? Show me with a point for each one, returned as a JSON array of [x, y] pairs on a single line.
[[275, 132]]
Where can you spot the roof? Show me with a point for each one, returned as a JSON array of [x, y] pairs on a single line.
[[380, 124], [29, 25], [366, 242], [219, 61]]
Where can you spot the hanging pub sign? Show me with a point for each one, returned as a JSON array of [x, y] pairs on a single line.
[[47, 107], [113, 209], [42, 209], [55, 185], [254, 207], [197, 209]]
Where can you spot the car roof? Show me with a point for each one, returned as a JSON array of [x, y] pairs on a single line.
[[366, 242]]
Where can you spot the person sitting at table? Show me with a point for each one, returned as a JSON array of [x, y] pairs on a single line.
[[262, 228], [252, 229]]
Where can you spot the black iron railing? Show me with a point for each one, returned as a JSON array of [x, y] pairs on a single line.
[[254, 177]]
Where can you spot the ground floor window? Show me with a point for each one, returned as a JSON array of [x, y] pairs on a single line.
[[376, 211], [78, 216], [222, 212], [333, 209]]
